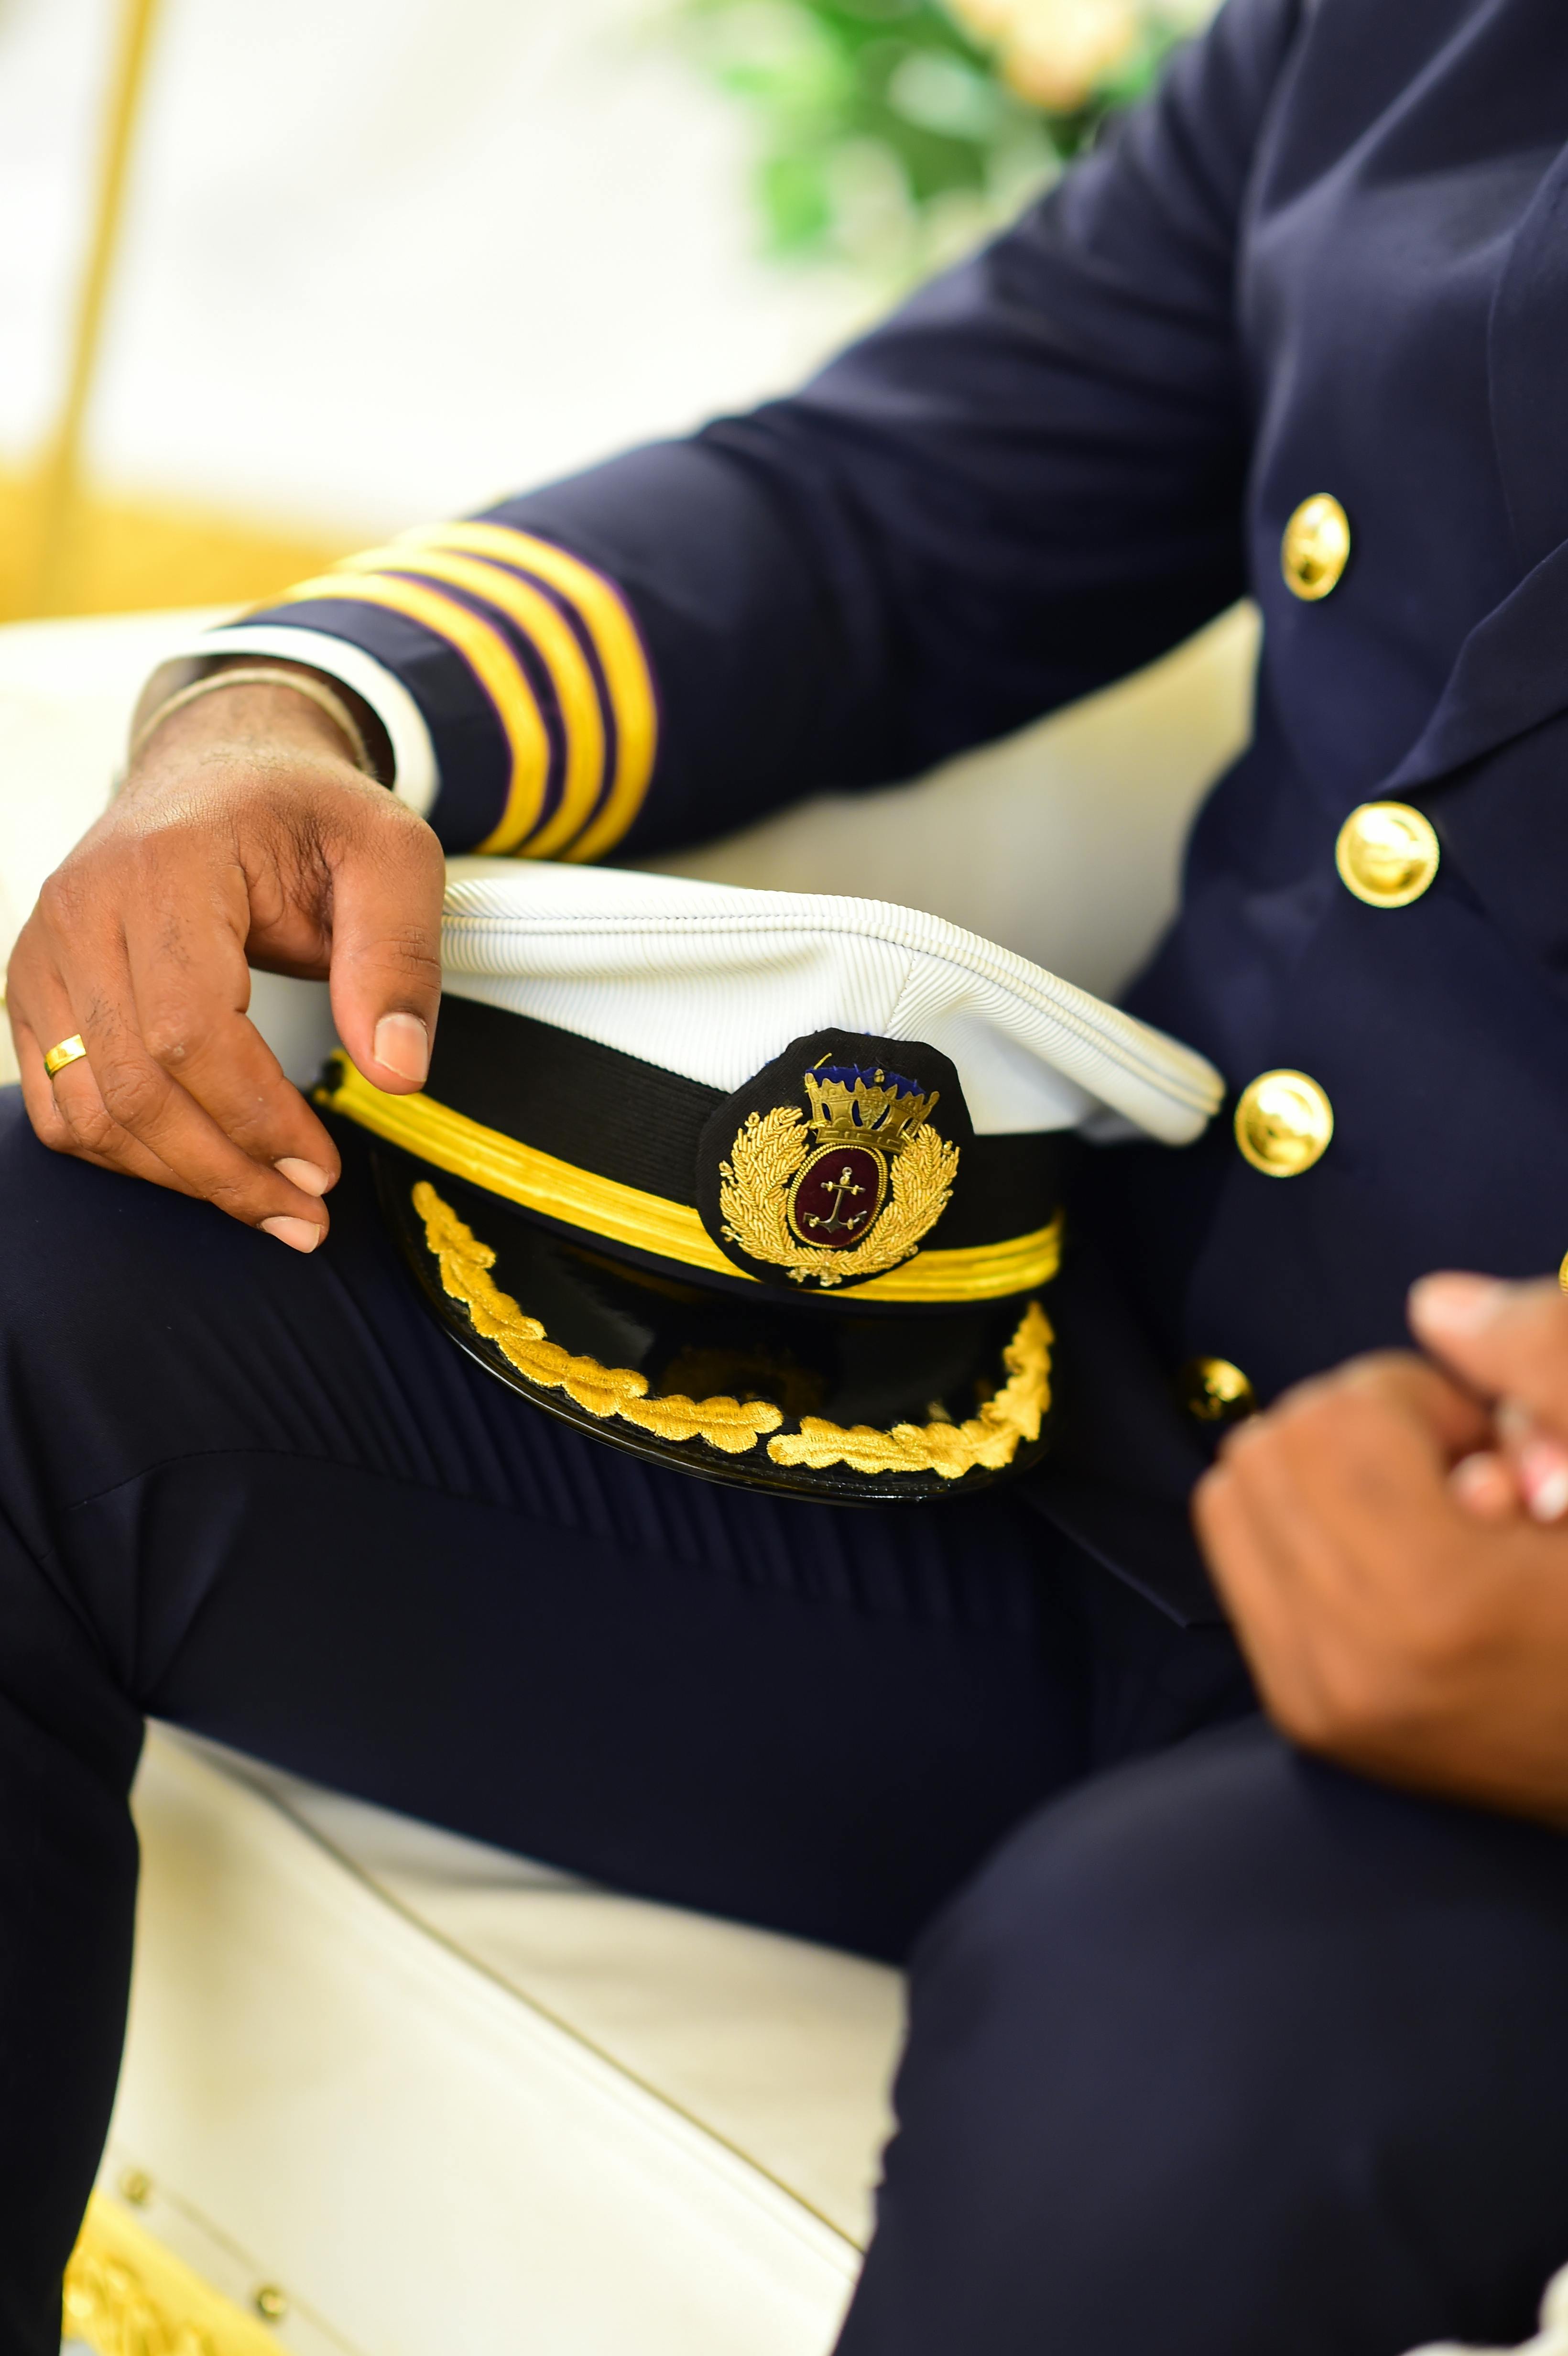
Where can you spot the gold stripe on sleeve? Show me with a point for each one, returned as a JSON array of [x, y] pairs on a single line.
[[651, 1223], [487, 655], [576, 693], [615, 641]]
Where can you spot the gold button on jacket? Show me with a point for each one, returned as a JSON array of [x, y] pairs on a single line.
[[1283, 1123], [1315, 548], [1387, 855], [1214, 1391]]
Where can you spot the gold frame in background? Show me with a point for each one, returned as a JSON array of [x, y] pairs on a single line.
[[64, 546]]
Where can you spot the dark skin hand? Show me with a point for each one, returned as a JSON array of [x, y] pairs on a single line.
[[1389, 1542], [244, 836]]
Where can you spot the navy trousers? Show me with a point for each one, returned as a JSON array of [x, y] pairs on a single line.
[[1213, 2050]]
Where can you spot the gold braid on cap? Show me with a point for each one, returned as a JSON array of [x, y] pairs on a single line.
[[616, 1213], [989, 1440], [465, 1263]]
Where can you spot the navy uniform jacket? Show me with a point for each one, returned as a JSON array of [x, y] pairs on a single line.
[[1331, 256]]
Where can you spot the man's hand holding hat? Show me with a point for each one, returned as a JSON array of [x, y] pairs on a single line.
[[245, 835], [1390, 1542]]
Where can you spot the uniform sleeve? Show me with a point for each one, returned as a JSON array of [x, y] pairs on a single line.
[[1027, 482]]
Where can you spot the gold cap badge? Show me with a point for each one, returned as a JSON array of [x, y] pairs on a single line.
[[828, 1167]]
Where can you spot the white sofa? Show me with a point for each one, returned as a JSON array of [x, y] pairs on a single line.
[[391, 2092]]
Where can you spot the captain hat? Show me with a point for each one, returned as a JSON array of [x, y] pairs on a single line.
[[763, 1184]]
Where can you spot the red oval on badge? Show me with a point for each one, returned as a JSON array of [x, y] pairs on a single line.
[[837, 1195]]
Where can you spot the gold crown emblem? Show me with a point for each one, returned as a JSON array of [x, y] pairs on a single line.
[[868, 1112]]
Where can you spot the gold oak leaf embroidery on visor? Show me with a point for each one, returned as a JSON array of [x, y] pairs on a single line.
[[989, 1440], [732, 1425]]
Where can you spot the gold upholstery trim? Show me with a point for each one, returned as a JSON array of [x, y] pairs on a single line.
[[125, 2295], [626, 1215], [616, 642], [989, 1440], [486, 652], [729, 1424]]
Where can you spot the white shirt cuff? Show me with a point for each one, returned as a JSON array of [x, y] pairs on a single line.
[[415, 778]]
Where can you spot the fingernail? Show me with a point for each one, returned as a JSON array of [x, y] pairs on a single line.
[[1539, 1462], [1457, 1305], [1542, 1469], [403, 1044], [308, 1176], [300, 1235], [1484, 1485], [1548, 1499]]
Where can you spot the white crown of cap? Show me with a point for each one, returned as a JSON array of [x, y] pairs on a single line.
[[713, 981]]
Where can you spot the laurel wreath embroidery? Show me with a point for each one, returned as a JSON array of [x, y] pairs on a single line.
[[755, 1188], [989, 1440], [729, 1424]]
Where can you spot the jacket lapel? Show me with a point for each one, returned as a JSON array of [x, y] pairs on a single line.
[[1512, 670], [1512, 674], [1527, 357]]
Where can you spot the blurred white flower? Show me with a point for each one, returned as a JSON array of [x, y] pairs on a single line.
[[1055, 52]]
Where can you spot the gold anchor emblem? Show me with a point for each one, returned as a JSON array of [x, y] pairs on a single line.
[[838, 1188], [845, 1192]]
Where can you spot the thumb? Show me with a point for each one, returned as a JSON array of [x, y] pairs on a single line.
[[385, 973], [1504, 1339]]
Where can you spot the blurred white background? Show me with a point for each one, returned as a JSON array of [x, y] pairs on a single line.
[[387, 259]]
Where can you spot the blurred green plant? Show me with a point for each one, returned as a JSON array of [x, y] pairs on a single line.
[[897, 133]]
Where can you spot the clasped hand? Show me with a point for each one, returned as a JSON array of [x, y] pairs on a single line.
[[1390, 1543]]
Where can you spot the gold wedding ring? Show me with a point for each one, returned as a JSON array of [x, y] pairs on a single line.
[[70, 1051]]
